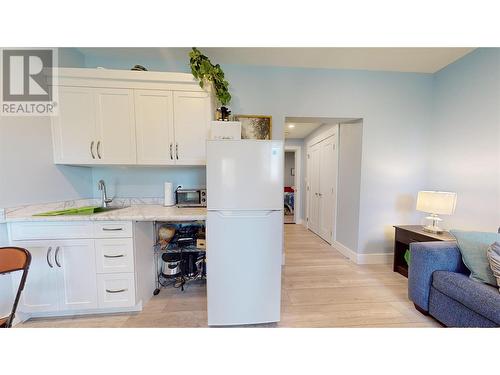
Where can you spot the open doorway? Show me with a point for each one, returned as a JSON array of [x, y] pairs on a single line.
[[328, 188], [291, 176]]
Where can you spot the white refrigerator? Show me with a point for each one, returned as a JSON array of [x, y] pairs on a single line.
[[244, 231]]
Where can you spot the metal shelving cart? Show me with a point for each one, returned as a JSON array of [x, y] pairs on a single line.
[[183, 251]]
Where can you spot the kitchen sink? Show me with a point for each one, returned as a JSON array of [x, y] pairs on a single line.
[[106, 209], [88, 210]]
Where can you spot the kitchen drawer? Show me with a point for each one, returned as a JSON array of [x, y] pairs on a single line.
[[116, 290], [114, 255], [50, 230], [110, 229]]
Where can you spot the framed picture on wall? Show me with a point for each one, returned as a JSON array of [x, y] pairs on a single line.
[[255, 126]]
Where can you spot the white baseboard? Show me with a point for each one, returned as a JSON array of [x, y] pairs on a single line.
[[345, 251], [359, 258]]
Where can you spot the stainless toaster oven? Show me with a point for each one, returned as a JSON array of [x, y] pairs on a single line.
[[191, 197]]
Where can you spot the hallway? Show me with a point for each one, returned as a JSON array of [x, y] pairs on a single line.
[[321, 288]]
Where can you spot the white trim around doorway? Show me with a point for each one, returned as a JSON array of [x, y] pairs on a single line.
[[298, 188]]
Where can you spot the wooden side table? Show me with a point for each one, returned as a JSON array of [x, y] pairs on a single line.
[[406, 234]]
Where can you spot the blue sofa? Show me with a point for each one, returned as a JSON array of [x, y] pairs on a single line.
[[439, 285]]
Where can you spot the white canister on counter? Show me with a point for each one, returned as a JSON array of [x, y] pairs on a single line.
[[169, 194]]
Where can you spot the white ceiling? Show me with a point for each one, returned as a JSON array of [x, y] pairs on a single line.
[[301, 127], [421, 60], [300, 130]]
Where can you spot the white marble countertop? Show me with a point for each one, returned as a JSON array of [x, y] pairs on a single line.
[[139, 212]]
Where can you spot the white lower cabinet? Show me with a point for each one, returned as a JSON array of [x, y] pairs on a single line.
[[75, 262], [116, 290], [61, 276], [78, 275], [40, 293]]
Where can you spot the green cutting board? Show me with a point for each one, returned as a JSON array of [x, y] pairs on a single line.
[[87, 210]]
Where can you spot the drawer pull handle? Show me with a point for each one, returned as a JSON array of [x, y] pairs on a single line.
[[49, 250], [108, 229], [114, 256], [56, 256], [116, 291]]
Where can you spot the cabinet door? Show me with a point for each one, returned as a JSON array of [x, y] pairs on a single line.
[[154, 127], [40, 292], [73, 130], [191, 125], [115, 120], [75, 262]]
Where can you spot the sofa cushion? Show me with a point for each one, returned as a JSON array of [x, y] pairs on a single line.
[[477, 296], [494, 257], [473, 246]]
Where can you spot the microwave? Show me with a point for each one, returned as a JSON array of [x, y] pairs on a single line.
[[191, 197]]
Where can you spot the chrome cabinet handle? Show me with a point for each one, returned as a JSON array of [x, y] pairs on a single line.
[[99, 149], [171, 155], [108, 229], [116, 291], [114, 256], [92, 149], [49, 250], [56, 256], [177, 151]]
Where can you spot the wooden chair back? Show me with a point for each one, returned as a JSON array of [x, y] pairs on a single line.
[[14, 259]]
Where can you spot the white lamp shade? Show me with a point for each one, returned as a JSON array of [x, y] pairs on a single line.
[[436, 202]]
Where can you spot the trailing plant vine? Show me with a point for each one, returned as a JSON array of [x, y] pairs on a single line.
[[204, 71]]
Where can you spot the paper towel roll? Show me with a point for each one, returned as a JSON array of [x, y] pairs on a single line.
[[169, 194]]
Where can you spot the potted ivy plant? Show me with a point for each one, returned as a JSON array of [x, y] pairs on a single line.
[[207, 73]]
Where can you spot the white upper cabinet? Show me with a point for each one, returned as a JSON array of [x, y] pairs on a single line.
[[154, 121], [192, 124], [73, 130], [115, 126], [126, 118]]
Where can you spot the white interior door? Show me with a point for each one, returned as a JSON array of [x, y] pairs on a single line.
[[244, 266], [154, 127], [191, 124], [327, 187], [76, 266], [40, 292], [115, 126], [73, 130], [314, 178]]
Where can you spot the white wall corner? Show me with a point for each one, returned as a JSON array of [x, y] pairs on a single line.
[[359, 258], [345, 251]]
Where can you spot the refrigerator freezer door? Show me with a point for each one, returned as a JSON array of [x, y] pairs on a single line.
[[245, 175], [244, 266]]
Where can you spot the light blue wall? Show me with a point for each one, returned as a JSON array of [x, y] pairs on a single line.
[[396, 108], [465, 139], [146, 182]]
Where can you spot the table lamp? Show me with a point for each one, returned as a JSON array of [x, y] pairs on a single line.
[[436, 203]]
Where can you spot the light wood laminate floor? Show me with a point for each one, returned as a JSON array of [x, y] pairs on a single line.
[[320, 288]]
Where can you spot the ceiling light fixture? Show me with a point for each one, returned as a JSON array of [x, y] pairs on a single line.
[[291, 126]]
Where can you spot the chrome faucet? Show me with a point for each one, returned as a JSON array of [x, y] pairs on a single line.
[[104, 196]]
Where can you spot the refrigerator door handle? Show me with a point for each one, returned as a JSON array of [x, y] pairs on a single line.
[[245, 214]]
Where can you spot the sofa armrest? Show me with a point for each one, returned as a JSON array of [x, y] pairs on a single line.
[[427, 257]]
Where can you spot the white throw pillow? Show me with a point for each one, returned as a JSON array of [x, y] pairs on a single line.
[[494, 258]]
